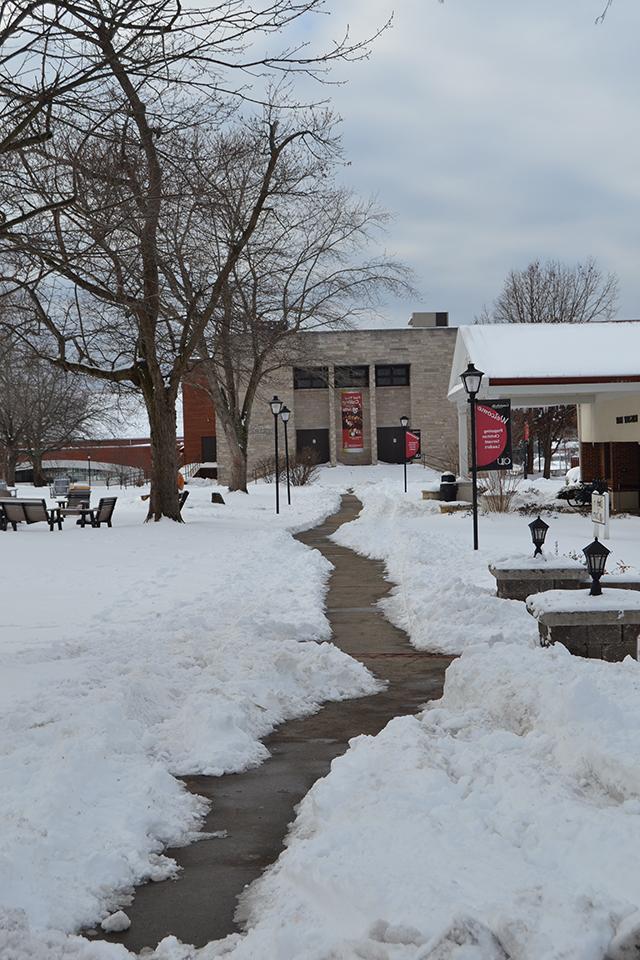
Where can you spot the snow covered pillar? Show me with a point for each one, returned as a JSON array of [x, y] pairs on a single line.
[[463, 440]]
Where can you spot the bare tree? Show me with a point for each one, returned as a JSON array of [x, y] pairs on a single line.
[[554, 292], [41, 409], [303, 269], [134, 150]]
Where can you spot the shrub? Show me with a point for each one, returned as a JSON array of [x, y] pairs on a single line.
[[303, 468], [500, 488]]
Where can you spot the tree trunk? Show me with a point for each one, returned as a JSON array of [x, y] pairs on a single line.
[[547, 453], [10, 463], [163, 501], [39, 479], [238, 475]]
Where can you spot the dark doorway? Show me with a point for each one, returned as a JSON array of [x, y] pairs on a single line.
[[208, 449], [390, 444], [316, 440]]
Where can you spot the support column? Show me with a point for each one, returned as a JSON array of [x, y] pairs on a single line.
[[333, 453], [373, 413], [463, 441]]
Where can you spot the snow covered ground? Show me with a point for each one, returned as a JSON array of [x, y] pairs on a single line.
[[502, 824], [133, 654]]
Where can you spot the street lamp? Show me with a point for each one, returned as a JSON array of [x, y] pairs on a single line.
[[596, 554], [538, 532], [276, 406], [471, 379], [285, 413], [404, 423], [89, 469]]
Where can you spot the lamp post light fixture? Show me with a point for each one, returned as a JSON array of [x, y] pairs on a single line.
[[471, 379], [285, 413], [276, 406], [596, 554], [404, 423], [538, 532]]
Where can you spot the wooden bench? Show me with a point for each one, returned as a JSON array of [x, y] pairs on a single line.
[[16, 511]]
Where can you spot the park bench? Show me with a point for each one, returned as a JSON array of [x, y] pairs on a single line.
[[14, 511], [77, 502]]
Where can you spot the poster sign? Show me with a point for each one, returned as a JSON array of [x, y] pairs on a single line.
[[352, 432], [493, 435], [412, 449]]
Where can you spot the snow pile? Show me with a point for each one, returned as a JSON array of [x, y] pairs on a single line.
[[131, 655], [504, 823], [445, 598]]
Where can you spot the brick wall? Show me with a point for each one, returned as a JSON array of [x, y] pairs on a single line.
[[591, 461], [199, 418]]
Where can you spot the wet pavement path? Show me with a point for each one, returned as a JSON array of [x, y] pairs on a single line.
[[256, 807]]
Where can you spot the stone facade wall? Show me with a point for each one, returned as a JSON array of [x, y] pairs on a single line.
[[428, 351]]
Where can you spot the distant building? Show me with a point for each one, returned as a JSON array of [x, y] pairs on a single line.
[[130, 459], [346, 391]]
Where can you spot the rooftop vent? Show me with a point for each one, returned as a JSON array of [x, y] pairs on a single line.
[[433, 319]]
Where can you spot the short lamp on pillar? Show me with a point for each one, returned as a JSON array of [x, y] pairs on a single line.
[[404, 423], [276, 406], [596, 554], [538, 532], [471, 379], [89, 469]]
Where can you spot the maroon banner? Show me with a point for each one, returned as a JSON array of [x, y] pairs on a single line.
[[493, 435], [412, 446], [352, 432]]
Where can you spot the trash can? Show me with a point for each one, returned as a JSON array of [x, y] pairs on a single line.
[[448, 487]]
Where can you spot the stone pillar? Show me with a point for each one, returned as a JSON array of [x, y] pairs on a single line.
[[333, 453], [373, 413], [463, 440]]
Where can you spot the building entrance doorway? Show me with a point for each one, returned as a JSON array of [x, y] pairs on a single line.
[[390, 444], [316, 440]]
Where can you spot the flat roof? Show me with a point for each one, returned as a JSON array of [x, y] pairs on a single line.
[[537, 353]]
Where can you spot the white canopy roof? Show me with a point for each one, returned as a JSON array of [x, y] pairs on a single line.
[[552, 353]]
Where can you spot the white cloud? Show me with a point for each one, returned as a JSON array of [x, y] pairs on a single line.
[[496, 131]]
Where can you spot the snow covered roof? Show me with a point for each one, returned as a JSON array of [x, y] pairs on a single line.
[[531, 352]]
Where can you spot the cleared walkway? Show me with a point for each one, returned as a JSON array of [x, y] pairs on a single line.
[[256, 807]]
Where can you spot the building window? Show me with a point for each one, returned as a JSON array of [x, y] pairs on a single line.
[[392, 375], [352, 376], [310, 378]]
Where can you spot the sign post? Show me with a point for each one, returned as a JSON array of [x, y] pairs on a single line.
[[600, 515]]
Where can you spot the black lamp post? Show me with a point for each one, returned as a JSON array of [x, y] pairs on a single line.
[[596, 554], [538, 532], [404, 423], [89, 469], [285, 413], [472, 378], [276, 407]]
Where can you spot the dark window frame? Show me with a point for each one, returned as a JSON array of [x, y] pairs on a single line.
[[310, 378], [393, 375], [346, 375]]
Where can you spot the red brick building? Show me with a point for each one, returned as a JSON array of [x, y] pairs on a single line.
[[199, 422]]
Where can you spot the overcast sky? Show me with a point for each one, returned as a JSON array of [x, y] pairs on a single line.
[[496, 131]]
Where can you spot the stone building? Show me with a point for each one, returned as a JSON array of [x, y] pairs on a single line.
[[346, 391]]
